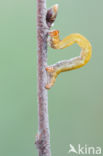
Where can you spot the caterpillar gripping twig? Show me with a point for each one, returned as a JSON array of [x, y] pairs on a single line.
[[66, 65]]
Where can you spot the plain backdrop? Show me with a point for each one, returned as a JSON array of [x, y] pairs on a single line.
[[76, 100]]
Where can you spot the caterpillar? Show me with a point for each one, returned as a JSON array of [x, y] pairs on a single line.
[[67, 65]]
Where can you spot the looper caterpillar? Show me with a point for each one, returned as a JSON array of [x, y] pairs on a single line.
[[67, 65]]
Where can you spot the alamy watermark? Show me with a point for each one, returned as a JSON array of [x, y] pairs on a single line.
[[86, 149]]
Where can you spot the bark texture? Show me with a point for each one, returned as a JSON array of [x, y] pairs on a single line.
[[43, 136]]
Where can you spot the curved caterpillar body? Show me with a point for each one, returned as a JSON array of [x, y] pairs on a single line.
[[71, 64]]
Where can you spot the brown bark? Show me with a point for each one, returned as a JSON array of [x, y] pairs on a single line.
[[45, 19], [43, 136]]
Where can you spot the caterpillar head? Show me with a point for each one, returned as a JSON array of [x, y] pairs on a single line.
[[54, 33], [53, 38]]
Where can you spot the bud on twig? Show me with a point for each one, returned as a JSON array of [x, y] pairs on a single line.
[[51, 15]]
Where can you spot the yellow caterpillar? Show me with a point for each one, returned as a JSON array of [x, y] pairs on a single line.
[[71, 64]]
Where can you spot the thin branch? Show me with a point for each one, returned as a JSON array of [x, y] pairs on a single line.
[[43, 26], [43, 136]]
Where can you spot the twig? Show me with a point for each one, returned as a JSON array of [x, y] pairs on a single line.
[[43, 25]]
